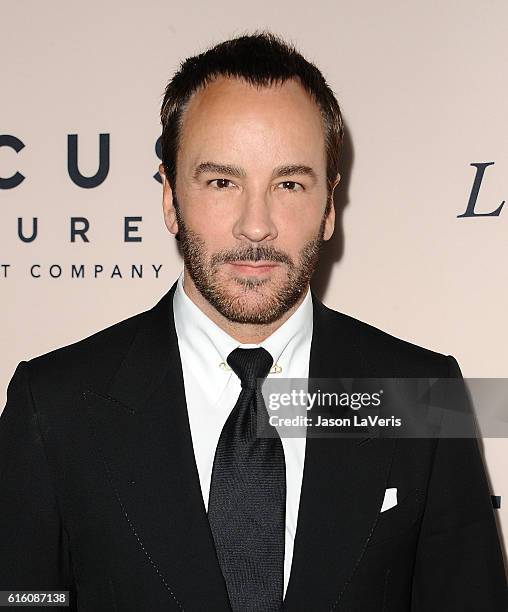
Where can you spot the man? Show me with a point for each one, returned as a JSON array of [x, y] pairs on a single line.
[[131, 473]]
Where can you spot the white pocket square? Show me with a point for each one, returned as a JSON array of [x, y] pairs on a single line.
[[390, 499]]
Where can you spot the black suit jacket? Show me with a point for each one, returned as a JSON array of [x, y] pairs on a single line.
[[99, 491]]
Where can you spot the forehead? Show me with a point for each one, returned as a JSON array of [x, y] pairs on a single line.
[[230, 109]]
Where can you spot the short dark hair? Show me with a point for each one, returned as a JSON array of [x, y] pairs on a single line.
[[261, 59]]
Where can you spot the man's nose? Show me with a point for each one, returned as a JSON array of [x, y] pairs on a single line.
[[255, 221]]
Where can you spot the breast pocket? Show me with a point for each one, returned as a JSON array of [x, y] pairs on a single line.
[[399, 519]]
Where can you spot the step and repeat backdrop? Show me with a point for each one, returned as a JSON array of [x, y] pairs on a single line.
[[420, 249]]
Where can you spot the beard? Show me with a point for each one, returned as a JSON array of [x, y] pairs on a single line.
[[250, 300]]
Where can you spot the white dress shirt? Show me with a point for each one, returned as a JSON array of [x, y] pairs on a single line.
[[211, 391]]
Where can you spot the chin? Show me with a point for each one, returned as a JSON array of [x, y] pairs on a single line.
[[248, 297], [242, 303]]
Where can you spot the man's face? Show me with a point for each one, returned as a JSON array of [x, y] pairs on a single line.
[[251, 197]]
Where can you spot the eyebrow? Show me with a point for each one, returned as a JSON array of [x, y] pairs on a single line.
[[237, 172]]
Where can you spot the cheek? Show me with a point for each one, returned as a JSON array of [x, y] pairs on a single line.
[[298, 224], [206, 208], [207, 216], [214, 232]]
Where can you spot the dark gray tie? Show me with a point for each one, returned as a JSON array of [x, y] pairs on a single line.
[[247, 503]]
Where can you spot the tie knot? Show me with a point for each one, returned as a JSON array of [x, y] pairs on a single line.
[[250, 364]]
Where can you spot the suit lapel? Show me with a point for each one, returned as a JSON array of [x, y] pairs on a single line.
[[343, 483], [143, 437]]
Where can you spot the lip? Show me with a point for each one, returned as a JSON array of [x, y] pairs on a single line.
[[253, 267]]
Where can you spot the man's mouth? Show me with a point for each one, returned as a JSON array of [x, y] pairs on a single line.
[[253, 268]]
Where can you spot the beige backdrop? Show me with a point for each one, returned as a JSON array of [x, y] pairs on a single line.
[[423, 90]]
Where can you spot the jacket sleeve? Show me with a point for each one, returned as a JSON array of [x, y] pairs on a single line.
[[34, 551], [459, 564]]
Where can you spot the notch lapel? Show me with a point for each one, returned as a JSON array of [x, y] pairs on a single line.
[[143, 438], [344, 480]]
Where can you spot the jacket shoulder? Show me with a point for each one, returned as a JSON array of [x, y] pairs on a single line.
[[90, 358], [385, 351]]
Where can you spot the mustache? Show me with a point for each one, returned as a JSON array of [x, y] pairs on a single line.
[[264, 253]]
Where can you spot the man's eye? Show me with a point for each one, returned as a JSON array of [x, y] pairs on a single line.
[[291, 186], [221, 183]]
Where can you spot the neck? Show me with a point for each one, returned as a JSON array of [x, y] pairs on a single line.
[[244, 333]]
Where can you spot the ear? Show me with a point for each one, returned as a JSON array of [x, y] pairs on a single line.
[[330, 217], [167, 203]]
